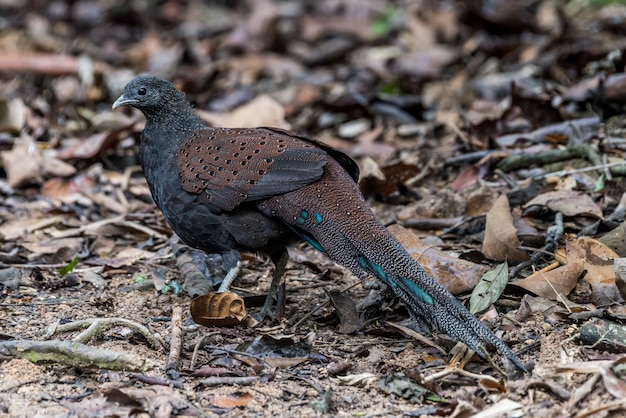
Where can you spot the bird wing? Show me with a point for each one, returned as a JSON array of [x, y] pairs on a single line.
[[231, 166], [343, 159]]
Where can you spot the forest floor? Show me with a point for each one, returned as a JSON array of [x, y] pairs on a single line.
[[492, 131]]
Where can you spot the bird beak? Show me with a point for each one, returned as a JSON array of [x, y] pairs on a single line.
[[123, 101]]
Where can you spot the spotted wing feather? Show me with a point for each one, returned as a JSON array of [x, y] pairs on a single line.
[[231, 166]]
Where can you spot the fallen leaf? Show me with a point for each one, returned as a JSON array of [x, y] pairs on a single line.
[[52, 246], [262, 111], [489, 288], [232, 401], [568, 202], [23, 163], [555, 284], [501, 242], [613, 384], [90, 147]]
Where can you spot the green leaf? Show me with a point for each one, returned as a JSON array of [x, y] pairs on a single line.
[[489, 288], [383, 24], [69, 267], [600, 183]]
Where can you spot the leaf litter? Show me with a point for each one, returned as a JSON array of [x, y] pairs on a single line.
[[494, 134]]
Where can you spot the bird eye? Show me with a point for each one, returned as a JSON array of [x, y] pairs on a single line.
[[142, 91]]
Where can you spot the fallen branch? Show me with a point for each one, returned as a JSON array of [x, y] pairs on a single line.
[[72, 353]]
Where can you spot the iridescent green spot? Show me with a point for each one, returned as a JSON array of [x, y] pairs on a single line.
[[417, 291], [302, 217], [312, 241], [318, 217]]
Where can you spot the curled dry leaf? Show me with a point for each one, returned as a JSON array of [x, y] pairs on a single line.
[[90, 147], [598, 260], [501, 242], [553, 284], [214, 309]]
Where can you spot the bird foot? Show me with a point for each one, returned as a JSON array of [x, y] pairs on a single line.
[[265, 312]]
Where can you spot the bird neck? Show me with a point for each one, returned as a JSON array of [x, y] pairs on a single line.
[[176, 124]]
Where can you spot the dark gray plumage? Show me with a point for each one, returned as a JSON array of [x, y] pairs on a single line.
[[225, 190]]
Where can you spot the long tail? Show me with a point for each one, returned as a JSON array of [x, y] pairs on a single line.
[[430, 303], [333, 217]]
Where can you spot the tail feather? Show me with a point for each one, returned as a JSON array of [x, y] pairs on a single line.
[[333, 217], [430, 302]]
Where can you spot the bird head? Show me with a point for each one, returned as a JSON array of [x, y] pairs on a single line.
[[148, 93]]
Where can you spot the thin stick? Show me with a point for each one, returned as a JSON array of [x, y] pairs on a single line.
[[176, 339]]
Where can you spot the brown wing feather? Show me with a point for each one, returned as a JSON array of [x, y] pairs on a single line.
[[342, 158], [235, 165]]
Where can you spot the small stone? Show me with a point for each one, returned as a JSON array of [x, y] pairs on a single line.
[[354, 128]]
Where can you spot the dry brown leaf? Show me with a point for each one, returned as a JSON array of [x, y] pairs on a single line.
[[377, 181], [54, 245], [262, 111], [90, 147], [140, 53], [458, 276], [285, 362], [49, 64], [613, 384], [480, 201], [582, 254], [597, 258], [52, 167], [568, 202], [553, 284], [232, 401], [501, 242], [67, 190], [126, 257], [23, 163], [257, 31], [468, 177]]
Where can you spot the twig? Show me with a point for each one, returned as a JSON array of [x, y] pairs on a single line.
[[196, 348], [563, 173], [155, 380], [176, 339], [456, 370], [219, 381], [96, 326]]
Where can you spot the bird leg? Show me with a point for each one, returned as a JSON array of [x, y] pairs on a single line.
[[280, 261], [232, 264]]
